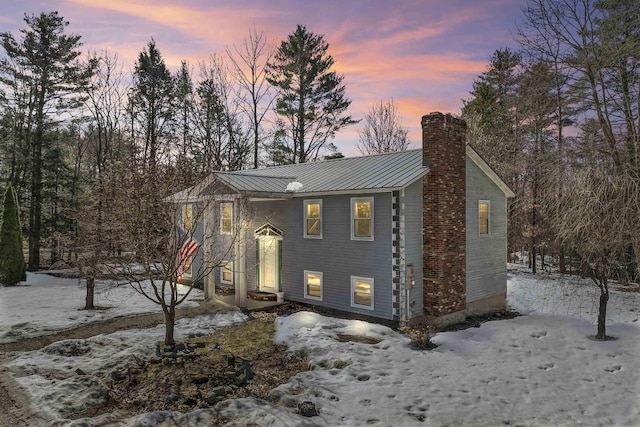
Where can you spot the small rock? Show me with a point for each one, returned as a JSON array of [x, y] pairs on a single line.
[[211, 399], [190, 401], [200, 379], [172, 398], [80, 372], [220, 391], [307, 409]]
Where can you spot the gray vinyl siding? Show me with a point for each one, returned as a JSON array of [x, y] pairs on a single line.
[[413, 243], [197, 268], [486, 255], [335, 255]]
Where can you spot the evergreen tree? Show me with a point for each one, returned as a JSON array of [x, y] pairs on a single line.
[[154, 103], [312, 99], [12, 265], [44, 62]]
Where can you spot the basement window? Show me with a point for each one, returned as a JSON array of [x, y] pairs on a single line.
[[313, 285], [362, 292], [226, 272]]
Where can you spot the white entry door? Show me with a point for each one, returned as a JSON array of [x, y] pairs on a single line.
[[269, 263]]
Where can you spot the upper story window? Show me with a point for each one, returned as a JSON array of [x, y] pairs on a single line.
[[362, 218], [187, 217], [226, 218], [484, 217], [313, 219]]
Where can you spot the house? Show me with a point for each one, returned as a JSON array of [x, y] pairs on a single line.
[[394, 236]]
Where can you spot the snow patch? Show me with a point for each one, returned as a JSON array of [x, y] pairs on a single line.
[[294, 186]]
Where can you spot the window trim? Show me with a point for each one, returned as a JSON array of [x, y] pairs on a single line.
[[355, 200], [306, 284], [488, 233], [306, 218], [222, 205], [223, 264], [362, 279]]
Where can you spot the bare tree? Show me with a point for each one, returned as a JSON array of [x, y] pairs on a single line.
[[249, 64], [383, 131], [220, 139], [594, 220]]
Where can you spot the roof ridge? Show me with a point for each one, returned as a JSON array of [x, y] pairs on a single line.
[[329, 160], [253, 175]]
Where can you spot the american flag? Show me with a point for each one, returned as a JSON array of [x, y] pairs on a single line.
[[188, 248]]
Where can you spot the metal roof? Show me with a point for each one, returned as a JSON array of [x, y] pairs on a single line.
[[375, 172]]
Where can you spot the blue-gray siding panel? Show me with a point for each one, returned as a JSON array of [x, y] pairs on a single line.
[[335, 255], [486, 255], [413, 243]]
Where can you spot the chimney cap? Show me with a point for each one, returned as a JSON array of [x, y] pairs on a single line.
[[436, 118]]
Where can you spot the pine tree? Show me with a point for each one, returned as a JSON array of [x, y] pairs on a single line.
[[312, 99], [12, 266]]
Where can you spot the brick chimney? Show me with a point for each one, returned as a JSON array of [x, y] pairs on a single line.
[[444, 217]]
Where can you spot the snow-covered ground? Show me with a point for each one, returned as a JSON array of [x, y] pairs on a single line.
[[541, 369], [44, 304]]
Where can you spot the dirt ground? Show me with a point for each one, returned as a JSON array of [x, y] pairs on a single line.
[[14, 408]]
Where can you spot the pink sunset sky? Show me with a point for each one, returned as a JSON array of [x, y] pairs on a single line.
[[424, 54]]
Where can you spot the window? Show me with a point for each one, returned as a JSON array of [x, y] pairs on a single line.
[[362, 218], [226, 218], [362, 292], [226, 272], [484, 214], [313, 285], [313, 219], [187, 217]]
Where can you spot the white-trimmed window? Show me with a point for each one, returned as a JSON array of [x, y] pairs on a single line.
[[226, 272], [484, 217], [187, 217], [226, 218], [313, 285], [313, 219], [362, 218], [362, 292]]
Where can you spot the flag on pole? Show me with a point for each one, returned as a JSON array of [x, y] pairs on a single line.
[[187, 249]]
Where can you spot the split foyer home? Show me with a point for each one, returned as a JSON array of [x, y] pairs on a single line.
[[396, 236]]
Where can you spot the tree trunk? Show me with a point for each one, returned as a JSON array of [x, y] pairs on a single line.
[[91, 286], [602, 314], [561, 262], [169, 324]]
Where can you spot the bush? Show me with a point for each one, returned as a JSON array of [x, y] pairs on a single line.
[[12, 266]]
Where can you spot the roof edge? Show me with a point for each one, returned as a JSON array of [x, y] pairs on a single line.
[[488, 170]]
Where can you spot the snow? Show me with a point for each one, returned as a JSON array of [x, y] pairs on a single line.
[[294, 186], [44, 304], [539, 369]]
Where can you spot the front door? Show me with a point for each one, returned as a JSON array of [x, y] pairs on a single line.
[[269, 263]]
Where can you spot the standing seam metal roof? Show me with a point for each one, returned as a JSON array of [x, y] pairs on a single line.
[[379, 171]]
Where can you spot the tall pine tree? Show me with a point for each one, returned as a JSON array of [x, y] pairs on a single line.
[[312, 99], [45, 62]]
